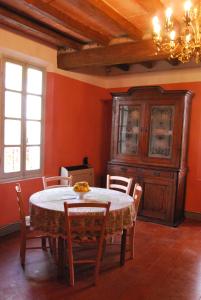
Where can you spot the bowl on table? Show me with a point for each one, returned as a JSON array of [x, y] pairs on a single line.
[[81, 188], [80, 195]]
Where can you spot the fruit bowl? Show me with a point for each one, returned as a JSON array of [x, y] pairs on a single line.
[[80, 195], [81, 188]]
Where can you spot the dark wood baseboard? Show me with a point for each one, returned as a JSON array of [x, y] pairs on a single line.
[[192, 215], [10, 228]]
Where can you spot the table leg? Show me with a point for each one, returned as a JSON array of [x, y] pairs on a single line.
[[61, 250], [123, 247]]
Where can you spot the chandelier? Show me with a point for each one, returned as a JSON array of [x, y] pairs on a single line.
[[180, 42]]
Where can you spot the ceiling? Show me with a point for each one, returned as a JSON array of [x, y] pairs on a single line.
[[89, 34]]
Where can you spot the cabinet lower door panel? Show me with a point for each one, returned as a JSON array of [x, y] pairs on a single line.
[[157, 201]]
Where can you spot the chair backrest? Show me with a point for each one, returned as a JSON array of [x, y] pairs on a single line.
[[85, 227], [20, 202], [56, 181], [137, 193], [119, 183]]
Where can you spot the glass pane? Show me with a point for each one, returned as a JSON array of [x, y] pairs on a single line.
[[34, 81], [11, 159], [12, 105], [161, 130], [33, 158], [33, 133], [33, 107], [12, 132], [13, 76], [129, 129]]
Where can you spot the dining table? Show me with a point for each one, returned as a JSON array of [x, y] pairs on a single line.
[[47, 211]]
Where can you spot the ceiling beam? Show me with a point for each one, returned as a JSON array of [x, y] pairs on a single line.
[[173, 61], [152, 7], [116, 17], [148, 64], [123, 67], [132, 52], [69, 21], [9, 18]]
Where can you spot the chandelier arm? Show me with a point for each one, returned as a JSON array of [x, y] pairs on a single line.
[[187, 45]]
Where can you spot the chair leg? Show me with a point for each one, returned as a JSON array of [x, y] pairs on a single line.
[[23, 250], [97, 270], [50, 242], [104, 249], [131, 241], [43, 242], [123, 247], [101, 249], [54, 248], [71, 266], [60, 257]]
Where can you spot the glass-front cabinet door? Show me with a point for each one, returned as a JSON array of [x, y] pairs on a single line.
[[129, 128], [161, 131], [147, 131], [127, 131]]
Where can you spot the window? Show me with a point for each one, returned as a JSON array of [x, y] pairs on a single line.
[[22, 115]]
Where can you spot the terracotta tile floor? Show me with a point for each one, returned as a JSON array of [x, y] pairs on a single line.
[[167, 265]]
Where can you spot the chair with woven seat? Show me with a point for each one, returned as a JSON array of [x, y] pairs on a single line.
[[27, 233], [83, 230], [137, 193], [56, 181], [119, 183]]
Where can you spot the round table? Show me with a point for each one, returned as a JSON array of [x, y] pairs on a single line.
[[47, 209]]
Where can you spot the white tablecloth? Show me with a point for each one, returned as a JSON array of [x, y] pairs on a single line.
[[47, 208]]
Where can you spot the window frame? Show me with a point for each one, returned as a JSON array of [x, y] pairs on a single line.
[[23, 173]]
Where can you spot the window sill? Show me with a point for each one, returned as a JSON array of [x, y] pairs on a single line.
[[19, 179]]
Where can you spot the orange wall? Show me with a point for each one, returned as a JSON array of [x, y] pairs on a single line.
[[193, 189], [77, 124]]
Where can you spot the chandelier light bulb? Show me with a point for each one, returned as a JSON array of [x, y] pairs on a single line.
[[187, 6], [188, 38], [156, 25], [168, 13], [157, 29], [155, 20], [172, 35]]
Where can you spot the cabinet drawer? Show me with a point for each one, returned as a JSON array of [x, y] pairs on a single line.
[[158, 173], [117, 169], [133, 171]]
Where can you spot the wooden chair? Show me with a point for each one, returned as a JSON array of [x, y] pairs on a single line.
[[55, 182], [58, 181], [137, 193], [119, 183], [80, 232], [27, 233]]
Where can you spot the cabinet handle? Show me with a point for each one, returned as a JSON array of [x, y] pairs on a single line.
[[123, 169]]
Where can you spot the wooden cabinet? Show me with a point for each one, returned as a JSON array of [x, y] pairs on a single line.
[[149, 143]]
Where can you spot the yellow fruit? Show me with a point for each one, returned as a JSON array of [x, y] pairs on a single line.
[[81, 187]]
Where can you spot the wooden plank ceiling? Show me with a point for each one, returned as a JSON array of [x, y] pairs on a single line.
[[87, 33]]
